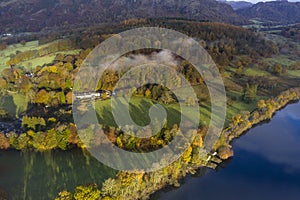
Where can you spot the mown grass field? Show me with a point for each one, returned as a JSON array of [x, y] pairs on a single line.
[[139, 110]]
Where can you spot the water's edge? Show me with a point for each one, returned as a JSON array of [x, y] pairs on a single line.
[[200, 171], [203, 174]]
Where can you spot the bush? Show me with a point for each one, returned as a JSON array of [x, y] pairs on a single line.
[[90, 192], [4, 143]]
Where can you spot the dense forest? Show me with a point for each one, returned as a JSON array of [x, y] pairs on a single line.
[[18, 16], [280, 12]]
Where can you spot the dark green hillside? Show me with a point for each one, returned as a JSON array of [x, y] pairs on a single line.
[[37, 15], [275, 11], [292, 32], [239, 4]]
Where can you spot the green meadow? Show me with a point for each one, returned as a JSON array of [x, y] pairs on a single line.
[[13, 49]]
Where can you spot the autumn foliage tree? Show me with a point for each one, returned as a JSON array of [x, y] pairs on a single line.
[[33, 122], [42, 97], [87, 192], [4, 143]]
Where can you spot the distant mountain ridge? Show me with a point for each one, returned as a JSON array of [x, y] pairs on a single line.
[[34, 15], [275, 11], [239, 4]]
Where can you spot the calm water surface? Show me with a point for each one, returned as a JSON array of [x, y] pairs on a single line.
[[266, 166], [30, 175]]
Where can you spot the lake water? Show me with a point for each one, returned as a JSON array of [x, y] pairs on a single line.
[[30, 175], [266, 166]]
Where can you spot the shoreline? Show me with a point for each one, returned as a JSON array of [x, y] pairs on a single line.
[[231, 136], [263, 114], [263, 119], [190, 180], [151, 183], [156, 181]]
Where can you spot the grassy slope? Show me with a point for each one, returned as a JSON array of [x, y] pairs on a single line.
[[11, 49], [139, 109], [33, 45], [40, 61], [14, 103], [255, 72], [295, 73]]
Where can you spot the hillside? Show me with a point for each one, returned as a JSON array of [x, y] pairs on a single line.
[[292, 32], [276, 11], [239, 4], [35, 15]]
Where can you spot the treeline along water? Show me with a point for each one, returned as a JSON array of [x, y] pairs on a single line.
[[266, 165]]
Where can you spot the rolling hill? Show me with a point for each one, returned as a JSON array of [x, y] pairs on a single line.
[[35, 15], [239, 4], [275, 11]]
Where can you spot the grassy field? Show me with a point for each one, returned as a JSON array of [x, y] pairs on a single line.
[[11, 50], [295, 73], [247, 71], [13, 104], [255, 72], [40, 61], [281, 59], [238, 105], [33, 45], [139, 109]]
